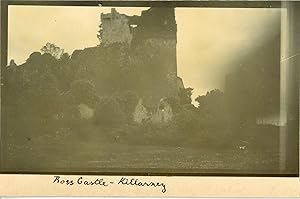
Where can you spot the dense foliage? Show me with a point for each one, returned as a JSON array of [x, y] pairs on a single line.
[[98, 88]]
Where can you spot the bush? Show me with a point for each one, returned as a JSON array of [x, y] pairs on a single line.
[[128, 101], [108, 112], [186, 119], [174, 103], [83, 91]]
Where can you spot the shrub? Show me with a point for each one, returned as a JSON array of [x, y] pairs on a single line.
[[128, 101], [83, 91], [108, 112], [187, 119]]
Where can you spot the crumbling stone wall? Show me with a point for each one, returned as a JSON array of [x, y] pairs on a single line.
[[162, 114], [114, 28]]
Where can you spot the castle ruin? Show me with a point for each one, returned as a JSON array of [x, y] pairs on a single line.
[[150, 43]]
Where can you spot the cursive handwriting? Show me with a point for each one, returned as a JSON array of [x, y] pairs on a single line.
[[101, 182], [137, 182], [80, 181]]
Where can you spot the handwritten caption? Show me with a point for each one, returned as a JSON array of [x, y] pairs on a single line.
[[123, 181]]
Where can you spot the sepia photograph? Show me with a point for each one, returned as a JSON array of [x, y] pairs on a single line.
[[155, 90]]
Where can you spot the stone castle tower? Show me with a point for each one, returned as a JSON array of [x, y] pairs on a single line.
[[114, 28], [150, 41]]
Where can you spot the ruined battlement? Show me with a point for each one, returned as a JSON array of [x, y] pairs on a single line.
[[114, 28], [153, 23]]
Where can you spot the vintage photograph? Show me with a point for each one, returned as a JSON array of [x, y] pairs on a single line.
[[155, 90]]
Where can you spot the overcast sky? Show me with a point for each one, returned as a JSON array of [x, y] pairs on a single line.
[[209, 39]]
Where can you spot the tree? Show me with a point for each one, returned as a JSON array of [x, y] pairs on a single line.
[[185, 95], [34, 58], [109, 113], [64, 58], [210, 99], [84, 91], [53, 50], [174, 102], [212, 106], [128, 101]]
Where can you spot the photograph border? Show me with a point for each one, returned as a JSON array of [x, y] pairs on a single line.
[[289, 182]]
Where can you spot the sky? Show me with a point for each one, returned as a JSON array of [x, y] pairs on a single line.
[[209, 40]]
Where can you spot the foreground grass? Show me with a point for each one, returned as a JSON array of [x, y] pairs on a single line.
[[90, 149]]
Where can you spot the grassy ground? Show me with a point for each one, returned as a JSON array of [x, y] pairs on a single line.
[[254, 151]]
